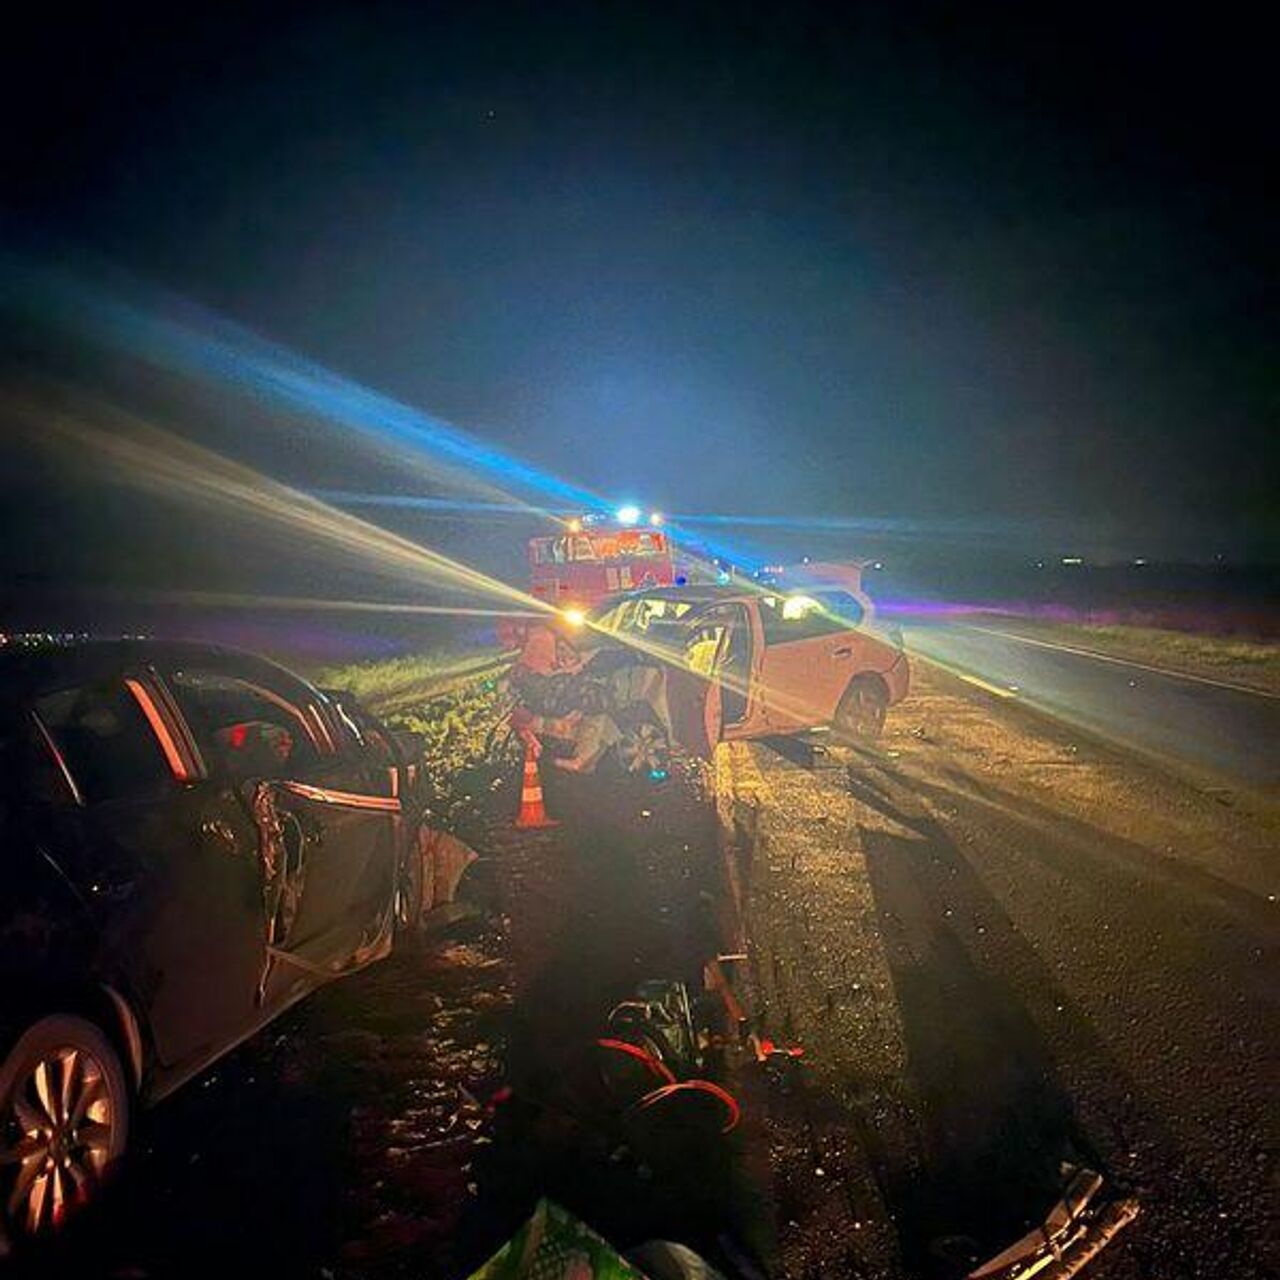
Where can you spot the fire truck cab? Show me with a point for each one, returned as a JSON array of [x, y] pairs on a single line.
[[590, 560]]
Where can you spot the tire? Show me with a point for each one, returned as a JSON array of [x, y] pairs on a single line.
[[64, 1125], [643, 745], [408, 901], [859, 719]]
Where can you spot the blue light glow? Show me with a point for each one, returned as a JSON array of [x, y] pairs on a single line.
[[172, 333]]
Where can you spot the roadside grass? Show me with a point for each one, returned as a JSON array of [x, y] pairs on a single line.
[[1248, 662], [455, 702], [395, 685]]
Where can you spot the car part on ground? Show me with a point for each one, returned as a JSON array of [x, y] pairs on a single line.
[[651, 1060], [1073, 1233], [427, 903]]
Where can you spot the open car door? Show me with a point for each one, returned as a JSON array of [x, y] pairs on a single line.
[[695, 705]]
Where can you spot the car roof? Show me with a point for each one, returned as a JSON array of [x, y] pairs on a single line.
[[29, 664], [702, 593], [710, 593]]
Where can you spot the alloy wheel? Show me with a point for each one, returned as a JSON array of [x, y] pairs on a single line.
[[643, 746], [58, 1126]]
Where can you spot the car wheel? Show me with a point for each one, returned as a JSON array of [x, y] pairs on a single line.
[[409, 891], [859, 718], [64, 1124], [643, 745]]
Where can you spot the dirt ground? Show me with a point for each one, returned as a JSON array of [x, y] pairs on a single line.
[[999, 945]]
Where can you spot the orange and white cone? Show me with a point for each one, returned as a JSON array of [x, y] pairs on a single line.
[[533, 813]]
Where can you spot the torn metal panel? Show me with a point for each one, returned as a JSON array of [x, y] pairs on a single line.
[[444, 860], [287, 842], [1073, 1233]]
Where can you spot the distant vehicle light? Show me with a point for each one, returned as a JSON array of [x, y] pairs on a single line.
[[1073, 560], [655, 518], [629, 514], [574, 617]]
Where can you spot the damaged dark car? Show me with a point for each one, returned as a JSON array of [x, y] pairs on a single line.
[[171, 814]]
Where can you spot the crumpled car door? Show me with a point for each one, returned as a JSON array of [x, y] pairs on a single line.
[[330, 866]]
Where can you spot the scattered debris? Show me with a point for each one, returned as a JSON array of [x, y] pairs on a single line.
[[1073, 1233]]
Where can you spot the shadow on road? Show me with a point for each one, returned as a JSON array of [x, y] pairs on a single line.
[[995, 1122], [621, 893]]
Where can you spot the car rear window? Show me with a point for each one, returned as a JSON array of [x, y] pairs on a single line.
[[105, 741], [803, 615]]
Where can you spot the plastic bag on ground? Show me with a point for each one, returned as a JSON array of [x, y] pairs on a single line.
[[554, 1245]]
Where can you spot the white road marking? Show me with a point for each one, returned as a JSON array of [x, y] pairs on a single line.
[[1001, 691], [1126, 662], [987, 685]]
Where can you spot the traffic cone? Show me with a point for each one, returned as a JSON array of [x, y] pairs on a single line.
[[533, 813]]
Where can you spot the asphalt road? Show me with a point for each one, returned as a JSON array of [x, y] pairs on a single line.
[[1195, 721], [1003, 945]]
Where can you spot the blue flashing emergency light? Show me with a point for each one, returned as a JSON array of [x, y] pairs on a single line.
[[628, 514]]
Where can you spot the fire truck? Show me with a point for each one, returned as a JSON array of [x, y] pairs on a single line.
[[591, 558]]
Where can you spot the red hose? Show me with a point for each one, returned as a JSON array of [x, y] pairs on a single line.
[[656, 1066], [701, 1086]]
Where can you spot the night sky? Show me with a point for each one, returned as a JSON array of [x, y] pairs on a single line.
[[932, 264]]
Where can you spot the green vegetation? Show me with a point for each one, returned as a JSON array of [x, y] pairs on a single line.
[[393, 685], [456, 703]]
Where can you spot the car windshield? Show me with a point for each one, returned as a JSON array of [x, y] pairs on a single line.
[[639, 615]]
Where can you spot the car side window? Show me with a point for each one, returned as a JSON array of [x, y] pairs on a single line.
[[806, 616], [841, 608], [242, 728], [103, 737]]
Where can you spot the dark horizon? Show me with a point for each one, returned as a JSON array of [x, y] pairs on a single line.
[[1008, 272]]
